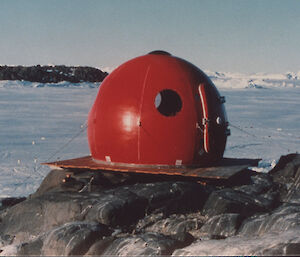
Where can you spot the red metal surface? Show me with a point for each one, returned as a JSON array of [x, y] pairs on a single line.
[[149, 111]]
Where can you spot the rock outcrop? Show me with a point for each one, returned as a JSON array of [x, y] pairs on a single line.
[[103, 213], [52, 74]]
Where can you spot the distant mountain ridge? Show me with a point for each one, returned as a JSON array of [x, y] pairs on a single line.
[[52, 74], [256, 80]]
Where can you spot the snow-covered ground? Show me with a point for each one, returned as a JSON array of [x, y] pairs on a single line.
[[38, 120]]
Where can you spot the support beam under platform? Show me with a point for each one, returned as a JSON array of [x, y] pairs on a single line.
[[223, 170]]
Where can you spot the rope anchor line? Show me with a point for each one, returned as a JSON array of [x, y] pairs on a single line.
[[82, 129], [268, 138], [242, 130]]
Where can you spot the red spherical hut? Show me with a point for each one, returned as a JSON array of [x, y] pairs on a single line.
[[155, 110]]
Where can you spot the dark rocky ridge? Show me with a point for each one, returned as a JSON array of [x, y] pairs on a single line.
[[102, 213], [52, 74]]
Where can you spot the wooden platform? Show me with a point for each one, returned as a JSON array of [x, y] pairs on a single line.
[[224, 169]]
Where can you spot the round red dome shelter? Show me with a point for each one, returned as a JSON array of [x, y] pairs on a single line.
[[157, 114], [157, 109]]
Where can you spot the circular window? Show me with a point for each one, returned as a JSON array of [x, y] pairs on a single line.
[[168, 102]]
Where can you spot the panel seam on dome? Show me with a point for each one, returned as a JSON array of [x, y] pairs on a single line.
[[140, 114]]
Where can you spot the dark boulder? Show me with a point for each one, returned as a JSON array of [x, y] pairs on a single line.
[[287, 175], [141, 245], [40, 214], [33, 247], [100, 246], [177, 226], [284, 243], [73, 238], [263, 188], [259, 194], [232, 201], [171, 197], [260, 183], [281, 219], [80, 181], [70, 239], [221, 226], [282, 249], [121, 206], [53, 182], [6, 239], [117, 207], [286, 166], [182, 227], [135, 201], [10, 201], [109, 213]]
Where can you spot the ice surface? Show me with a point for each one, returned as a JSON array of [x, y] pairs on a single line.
[[37, 120], [265, 123]]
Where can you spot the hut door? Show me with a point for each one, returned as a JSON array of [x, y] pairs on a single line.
[[205, 119]]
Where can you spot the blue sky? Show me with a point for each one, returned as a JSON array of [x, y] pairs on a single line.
[[218, 35]]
